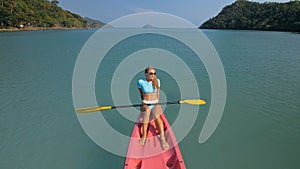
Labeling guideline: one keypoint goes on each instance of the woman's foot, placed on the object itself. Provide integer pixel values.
(142, 140)
(164, 143)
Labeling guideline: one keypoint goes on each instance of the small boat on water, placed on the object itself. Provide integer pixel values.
(151, 155)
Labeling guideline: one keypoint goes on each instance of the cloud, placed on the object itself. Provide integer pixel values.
(141, 10)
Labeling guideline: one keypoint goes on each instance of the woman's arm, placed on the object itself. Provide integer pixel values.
(158, 90)
(158, 94)
(141, 93)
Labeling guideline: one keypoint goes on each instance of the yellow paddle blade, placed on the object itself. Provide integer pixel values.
(93, 109)
(193, 102)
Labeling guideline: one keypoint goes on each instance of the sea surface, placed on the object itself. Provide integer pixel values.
(260, 127)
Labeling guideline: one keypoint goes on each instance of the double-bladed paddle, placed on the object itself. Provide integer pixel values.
(99, 108)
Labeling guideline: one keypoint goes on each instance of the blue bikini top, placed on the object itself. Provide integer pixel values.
(147, 86)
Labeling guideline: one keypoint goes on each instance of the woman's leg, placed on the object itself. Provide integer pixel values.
(146, 117)
(160, 126)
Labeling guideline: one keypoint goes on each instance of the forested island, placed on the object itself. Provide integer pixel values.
(40, 14)
(242, 14)
(246, 15)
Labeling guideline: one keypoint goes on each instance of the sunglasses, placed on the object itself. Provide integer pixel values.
(152, 73)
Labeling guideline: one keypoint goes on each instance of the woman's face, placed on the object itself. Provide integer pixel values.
(151, 74)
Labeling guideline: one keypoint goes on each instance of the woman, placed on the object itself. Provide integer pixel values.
(149, 88)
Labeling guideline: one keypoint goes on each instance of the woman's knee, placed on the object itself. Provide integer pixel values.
(157, 112)
(145, 110)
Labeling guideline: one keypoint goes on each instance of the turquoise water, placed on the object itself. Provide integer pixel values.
(260, 127)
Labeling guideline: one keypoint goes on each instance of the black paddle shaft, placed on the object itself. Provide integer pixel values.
(139, 105)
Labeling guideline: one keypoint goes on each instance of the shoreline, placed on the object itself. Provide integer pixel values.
(262, 30)
(14, 29)
(40, 28)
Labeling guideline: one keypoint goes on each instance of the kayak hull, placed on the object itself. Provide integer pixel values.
(151, 155)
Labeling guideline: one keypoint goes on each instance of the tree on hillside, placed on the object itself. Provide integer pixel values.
(12, 5)
(54, 2)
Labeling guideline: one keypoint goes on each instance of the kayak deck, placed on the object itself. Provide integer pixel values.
(151, 155)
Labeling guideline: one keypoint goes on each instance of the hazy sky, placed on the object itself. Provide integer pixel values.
(195, 11)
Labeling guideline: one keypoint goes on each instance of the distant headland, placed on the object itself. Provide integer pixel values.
(246, 15)
(16, 15)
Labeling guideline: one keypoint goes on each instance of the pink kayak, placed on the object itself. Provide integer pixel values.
(151, 155)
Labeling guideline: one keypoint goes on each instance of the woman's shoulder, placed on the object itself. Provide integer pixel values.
(141, 81)
(158, 82)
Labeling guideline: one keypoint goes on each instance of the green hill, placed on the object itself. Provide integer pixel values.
(246, 15)
(94, 23)
(37, 14)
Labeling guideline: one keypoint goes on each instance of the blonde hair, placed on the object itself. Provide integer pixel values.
(154, 81)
